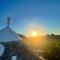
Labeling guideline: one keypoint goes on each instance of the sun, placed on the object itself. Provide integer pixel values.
(34, 34)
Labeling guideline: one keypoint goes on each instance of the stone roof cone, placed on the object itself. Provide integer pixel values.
(7, 34)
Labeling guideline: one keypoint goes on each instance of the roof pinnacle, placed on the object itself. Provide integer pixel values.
(8, 21)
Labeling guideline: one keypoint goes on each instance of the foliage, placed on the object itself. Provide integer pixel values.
(52, 49)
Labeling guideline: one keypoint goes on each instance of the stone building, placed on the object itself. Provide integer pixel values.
(13, 45)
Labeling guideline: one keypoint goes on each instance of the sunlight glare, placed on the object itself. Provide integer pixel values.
(34, 34)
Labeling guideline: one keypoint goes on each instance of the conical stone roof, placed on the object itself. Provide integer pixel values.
(7, 34)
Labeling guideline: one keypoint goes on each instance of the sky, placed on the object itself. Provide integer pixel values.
(37, 13)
